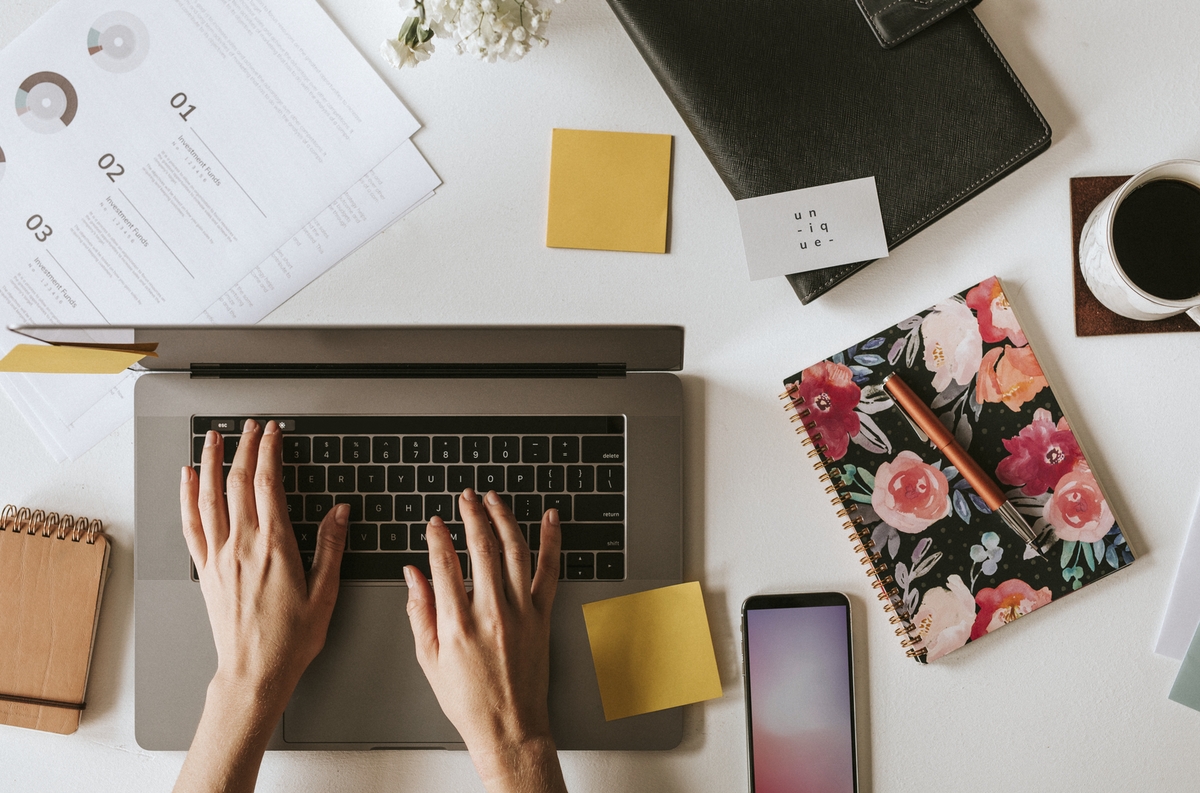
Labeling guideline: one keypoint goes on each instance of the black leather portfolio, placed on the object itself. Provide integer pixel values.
(785, 94)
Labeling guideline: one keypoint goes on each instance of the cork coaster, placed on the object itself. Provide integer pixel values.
(1091, 316)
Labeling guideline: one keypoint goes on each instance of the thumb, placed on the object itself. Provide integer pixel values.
(422, 615)
(326, 570)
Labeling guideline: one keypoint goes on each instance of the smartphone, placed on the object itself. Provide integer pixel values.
(799, 677)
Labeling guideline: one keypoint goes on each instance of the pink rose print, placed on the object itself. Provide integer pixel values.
(953, 347)
(1077, 509)
(945, 618)
(830, 396)
(996, 318)
(1040, 455)
(1000, 606)
(1012, 376)
(910, 494)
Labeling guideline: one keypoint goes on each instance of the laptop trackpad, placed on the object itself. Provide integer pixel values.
(366, 685)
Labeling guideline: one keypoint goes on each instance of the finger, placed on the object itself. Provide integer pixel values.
(515, 554)
(545, 580)
(213, 512)
(326, 572)
(189, 507)
(243, 515)
(484, 548)
(268, 486)
(448, 588)
(422, 616)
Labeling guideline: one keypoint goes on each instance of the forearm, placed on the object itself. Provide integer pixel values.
(228, 747)
(531, 767)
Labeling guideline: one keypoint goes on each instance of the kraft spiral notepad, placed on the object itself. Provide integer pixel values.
(947, 569)
(52, 573)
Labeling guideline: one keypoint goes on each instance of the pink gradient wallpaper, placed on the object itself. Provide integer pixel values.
(800, 700)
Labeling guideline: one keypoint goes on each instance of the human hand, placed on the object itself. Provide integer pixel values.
(487, 653)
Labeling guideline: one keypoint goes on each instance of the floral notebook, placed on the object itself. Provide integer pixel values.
(946, 568)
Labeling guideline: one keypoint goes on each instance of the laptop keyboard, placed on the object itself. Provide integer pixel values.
(397, 472)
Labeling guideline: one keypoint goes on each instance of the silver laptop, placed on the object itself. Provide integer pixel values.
(396, 421)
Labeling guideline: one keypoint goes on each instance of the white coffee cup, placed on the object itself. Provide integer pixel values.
(1098, 259)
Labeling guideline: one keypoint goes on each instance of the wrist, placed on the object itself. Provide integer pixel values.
(251, 703)
(525, 766)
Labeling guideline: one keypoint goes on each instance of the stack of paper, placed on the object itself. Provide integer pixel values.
(195, 162)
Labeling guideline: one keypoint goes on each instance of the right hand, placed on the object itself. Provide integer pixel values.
(487, 653)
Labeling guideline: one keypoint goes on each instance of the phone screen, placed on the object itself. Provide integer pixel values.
(800, 694)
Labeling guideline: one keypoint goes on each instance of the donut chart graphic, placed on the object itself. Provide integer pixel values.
(118, 42)
(47, 102)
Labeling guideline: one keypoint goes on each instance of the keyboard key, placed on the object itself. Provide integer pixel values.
(285, 425)
(197, 448)
(401, 478)
(490, 477)
(560, 502)
(327, 450)
(416, 450)
(581, 478)
(289, 478)
(306, 536)
(535, 449)
(610, 566)
(520, 479)
(385, 449)
(393, 537)
(409, 508)
(316, 507)
(605, 507)
(431, 478)
(604, 449)
(533, 534)
(356, 450)
(417, 539)
(371, 479)
(551, 478)
(507, 499)
(356, 506)
(378, 509)
(341, 479)
(445, 450)
(505, 449)
(610, 478)
(227, 425)
(580, 566)
(382, 566)
(527, 507)
(231, 445)
(442, 506)
(295, 507)
(475, 450)
(565, 449)
(458, 536)
(311, 479)
(297, 450)
(460, 477)
(593, 537)
(364, 536)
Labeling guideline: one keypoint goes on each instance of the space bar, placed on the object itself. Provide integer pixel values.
(381, 566)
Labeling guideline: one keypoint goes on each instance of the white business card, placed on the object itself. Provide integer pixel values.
(812, 228)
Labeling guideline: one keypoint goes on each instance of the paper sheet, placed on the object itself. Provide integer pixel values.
(609, 191)
(1183, 610)
(1186, 690)
(652, 650)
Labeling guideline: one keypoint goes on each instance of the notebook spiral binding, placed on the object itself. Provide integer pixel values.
(883, 583)
(23, 520)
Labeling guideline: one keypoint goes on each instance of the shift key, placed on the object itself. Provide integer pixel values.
(599, 506)
(593, 536)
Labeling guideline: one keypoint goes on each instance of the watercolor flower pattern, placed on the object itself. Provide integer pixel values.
(946, 617)
(1040, 455)
(1007, 602)
(831, 395)
(910, 494)
(996, 318)
(953, 346)
(1011, 376)
(1077, 509)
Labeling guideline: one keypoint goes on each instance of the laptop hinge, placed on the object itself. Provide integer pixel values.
(230, 371)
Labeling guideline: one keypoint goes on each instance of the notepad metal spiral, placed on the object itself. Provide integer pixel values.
(22, 520)
(883, 583)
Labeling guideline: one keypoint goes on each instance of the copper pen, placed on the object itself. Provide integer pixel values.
(944, 441)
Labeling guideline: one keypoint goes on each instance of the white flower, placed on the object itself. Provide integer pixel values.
(399, 54)
(487, 29)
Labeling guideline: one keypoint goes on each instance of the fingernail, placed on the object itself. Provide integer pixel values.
(492, 498)
(341, 514)
(436, 521)
(553, 517)
(469, 495)
(249, 425)
(211, 438)
(408, 577)
(271, 429)
(183, 474)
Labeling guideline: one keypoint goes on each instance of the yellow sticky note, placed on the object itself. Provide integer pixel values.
(652, 650)
(609, 190)
(50, 359)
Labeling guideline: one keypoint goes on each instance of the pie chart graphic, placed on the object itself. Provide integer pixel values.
(47, 102)
(1, 165)
(118, 42)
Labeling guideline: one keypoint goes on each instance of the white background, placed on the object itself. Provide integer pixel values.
(1072, 698)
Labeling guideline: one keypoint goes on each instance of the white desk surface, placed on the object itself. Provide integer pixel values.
(1071, 699)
